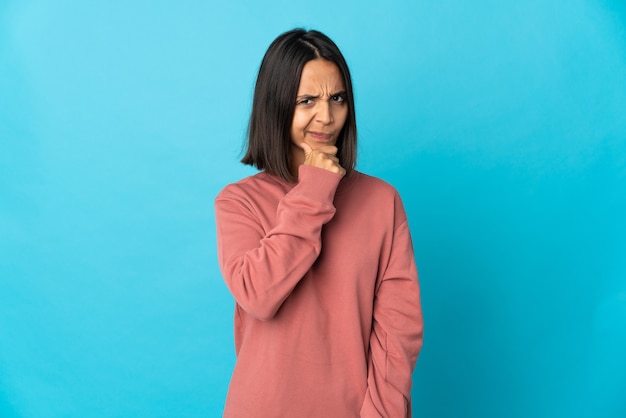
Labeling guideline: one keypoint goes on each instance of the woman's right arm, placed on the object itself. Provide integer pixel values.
(261, 269)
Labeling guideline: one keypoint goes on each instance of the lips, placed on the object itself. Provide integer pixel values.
(320, 136)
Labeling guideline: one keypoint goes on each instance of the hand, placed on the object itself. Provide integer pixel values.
(324, 157)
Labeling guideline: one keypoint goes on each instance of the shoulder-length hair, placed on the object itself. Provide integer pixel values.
(273, 105)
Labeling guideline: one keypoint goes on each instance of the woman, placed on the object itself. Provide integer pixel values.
(318, 256)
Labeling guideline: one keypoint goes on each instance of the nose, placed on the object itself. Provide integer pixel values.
(324, 112)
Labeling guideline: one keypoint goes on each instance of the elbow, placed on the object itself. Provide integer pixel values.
(259, 310)
(257, 304)
(256, 298)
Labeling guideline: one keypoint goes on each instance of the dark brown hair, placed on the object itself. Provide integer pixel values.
(269, 131)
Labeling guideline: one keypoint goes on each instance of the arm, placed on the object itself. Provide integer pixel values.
(261, 269)
(397, 331)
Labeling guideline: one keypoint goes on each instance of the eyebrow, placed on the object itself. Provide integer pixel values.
(311, 96)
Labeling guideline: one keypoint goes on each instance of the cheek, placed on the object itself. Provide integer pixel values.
(300, 121)
(296, 130)
(342, 116)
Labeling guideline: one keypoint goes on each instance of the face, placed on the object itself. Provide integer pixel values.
(321, 107)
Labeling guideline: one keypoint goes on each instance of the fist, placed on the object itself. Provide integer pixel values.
(324, 157)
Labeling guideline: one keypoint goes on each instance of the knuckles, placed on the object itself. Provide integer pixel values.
(325, 158)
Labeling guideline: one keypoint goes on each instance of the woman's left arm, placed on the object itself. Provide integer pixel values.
(397, 332)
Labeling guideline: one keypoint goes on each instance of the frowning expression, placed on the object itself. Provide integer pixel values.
(321, 108)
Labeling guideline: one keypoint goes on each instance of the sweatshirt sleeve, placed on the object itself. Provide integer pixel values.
(397, 331)
(261, 269)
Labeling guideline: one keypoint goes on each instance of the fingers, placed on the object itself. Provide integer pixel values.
(328, 149)
(323, 157)
(308, 148)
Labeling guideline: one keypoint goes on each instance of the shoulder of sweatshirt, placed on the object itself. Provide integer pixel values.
(376, 191)
(258, 183)
(373, 185)
(314, 183)
(261, 184)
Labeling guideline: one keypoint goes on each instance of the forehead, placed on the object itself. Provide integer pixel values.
(321, 74)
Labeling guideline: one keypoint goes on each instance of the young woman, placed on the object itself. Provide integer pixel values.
(317, 255)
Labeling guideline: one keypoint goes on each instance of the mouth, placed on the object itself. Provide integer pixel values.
(320, 136)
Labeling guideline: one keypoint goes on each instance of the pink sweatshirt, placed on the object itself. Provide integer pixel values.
(328, 320)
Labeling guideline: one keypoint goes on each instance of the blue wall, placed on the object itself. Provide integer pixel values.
(503, 125)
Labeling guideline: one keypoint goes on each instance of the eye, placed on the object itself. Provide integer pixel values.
(338, 98)
(305, 101)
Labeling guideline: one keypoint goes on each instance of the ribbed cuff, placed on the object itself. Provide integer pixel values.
(317, 184)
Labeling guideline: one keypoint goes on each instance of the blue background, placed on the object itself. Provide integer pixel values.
(502, 123)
